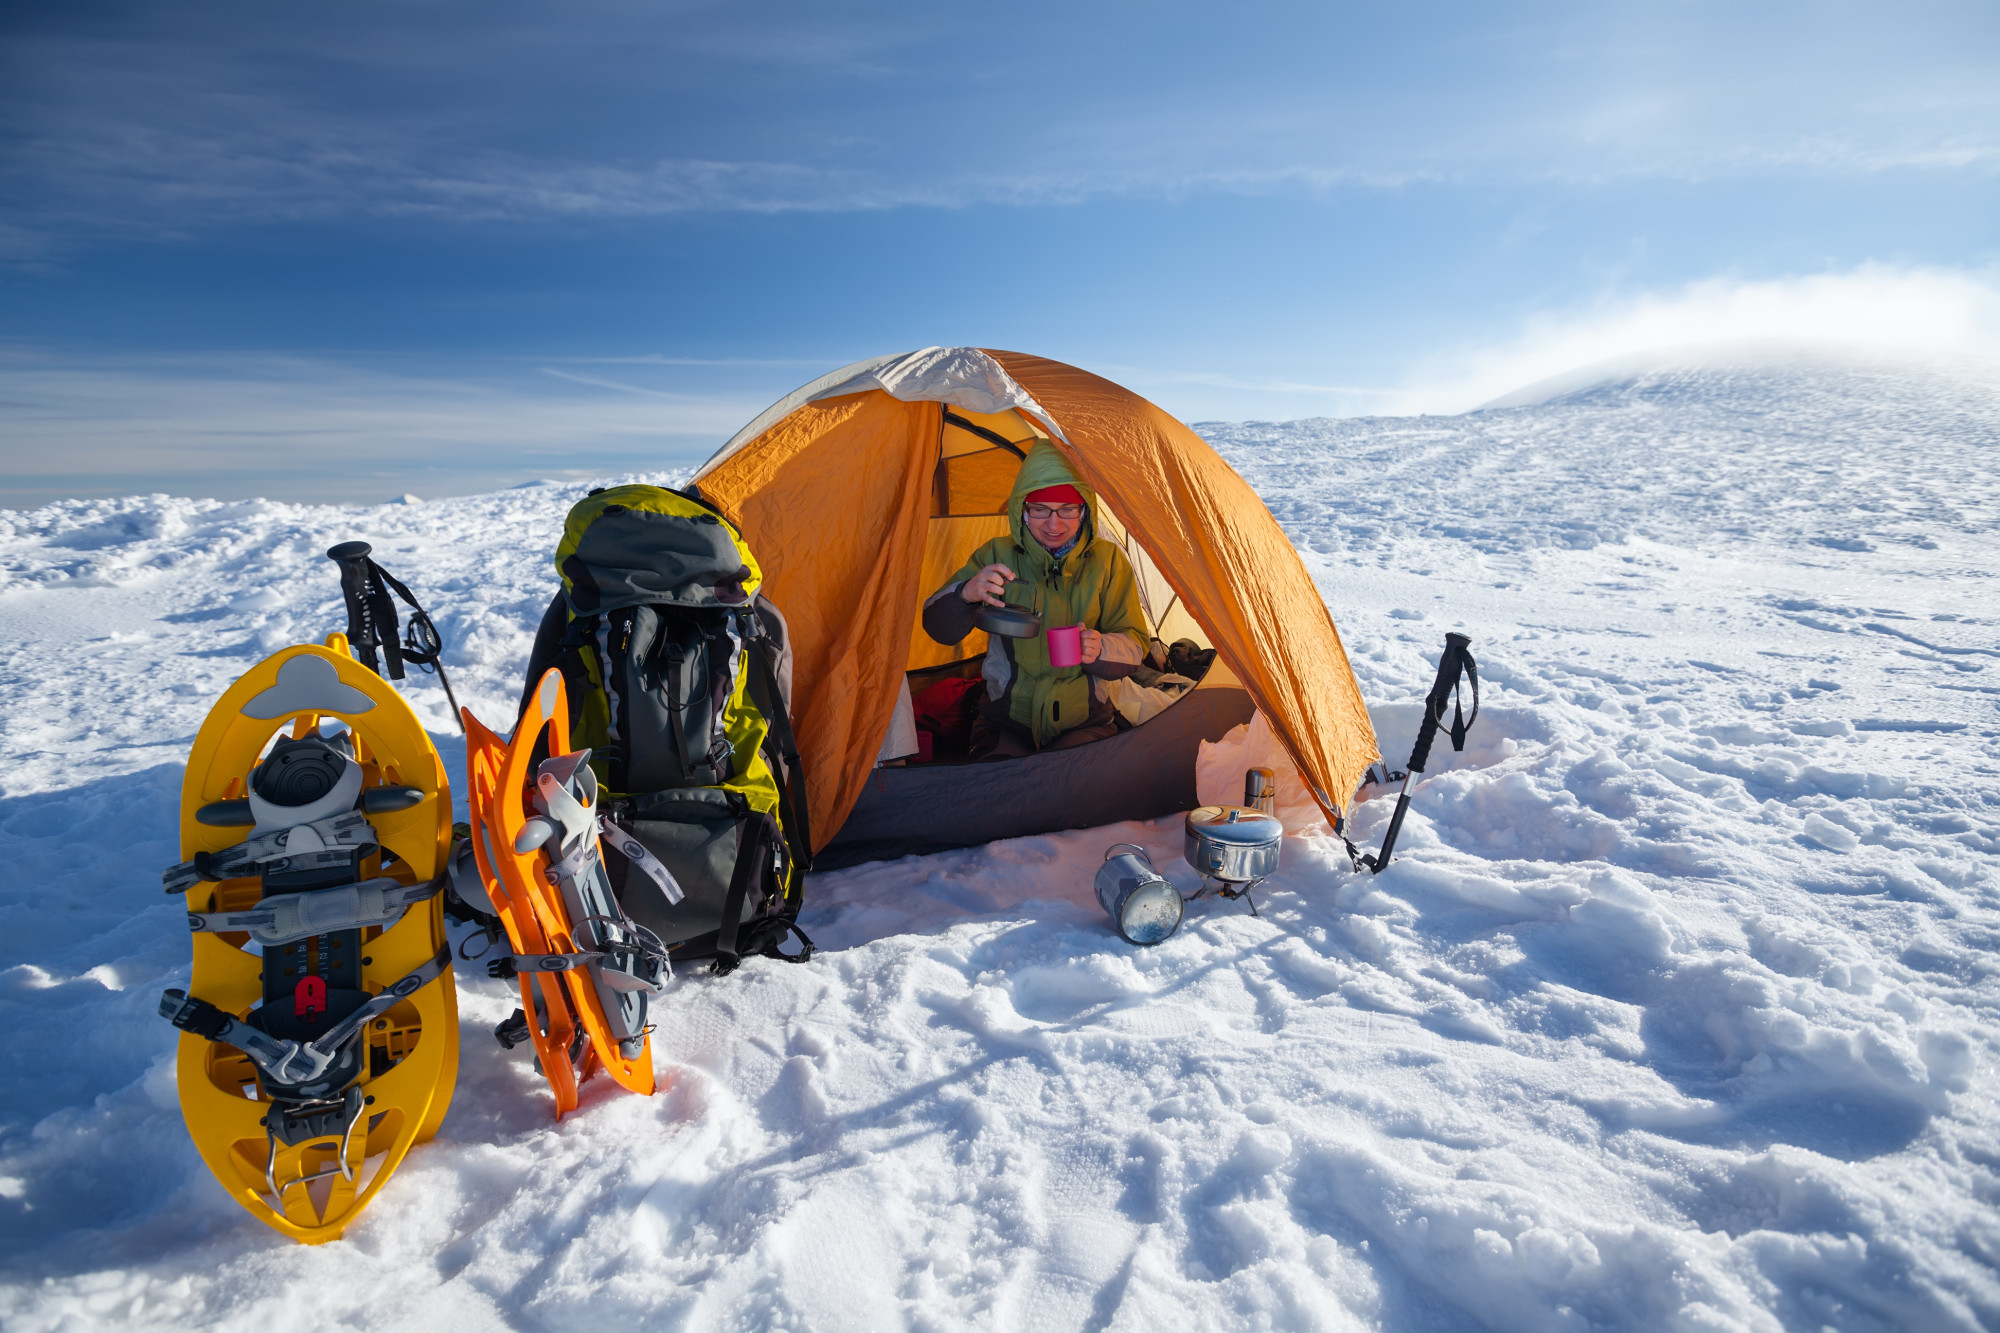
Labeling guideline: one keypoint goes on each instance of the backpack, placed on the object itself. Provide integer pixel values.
(679, 680)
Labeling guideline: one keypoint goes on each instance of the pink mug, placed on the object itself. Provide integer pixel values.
(1066, 646)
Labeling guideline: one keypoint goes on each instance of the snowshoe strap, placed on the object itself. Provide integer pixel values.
(323, 842)
(635, 851)
(512, 1030)
(294, 1062)
(626, 966)
(632, 957)
(575, 865)
(506, 969)
(289, 917)
(560, 804)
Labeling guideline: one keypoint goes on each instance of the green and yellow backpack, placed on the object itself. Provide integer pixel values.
(679, 676)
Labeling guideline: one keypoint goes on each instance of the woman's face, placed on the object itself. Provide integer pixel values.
(1052, 529)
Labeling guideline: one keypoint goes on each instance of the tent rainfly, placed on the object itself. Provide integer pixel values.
(863, 491)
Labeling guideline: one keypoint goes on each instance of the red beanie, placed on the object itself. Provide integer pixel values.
(1054, 495)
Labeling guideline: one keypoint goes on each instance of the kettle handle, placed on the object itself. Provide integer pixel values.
(1143, 856)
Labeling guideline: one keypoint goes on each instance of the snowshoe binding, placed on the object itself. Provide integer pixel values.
(320, 1029)
(587, 972)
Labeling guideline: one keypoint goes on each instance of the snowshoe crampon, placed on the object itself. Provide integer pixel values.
(320, 1030)
(587, 972)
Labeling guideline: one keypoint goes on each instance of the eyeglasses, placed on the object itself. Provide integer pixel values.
(1042, 513)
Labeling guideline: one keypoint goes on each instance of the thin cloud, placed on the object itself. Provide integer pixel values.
(651, 359)
(1946, 318)
(302, 428)
(1151, 375)
(139, 125)
(600, 383)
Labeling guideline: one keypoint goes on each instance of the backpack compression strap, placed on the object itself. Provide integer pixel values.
(791, 795)
(760, 835)
(755, 837)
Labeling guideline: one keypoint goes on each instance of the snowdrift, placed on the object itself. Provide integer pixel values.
(1677, 1009)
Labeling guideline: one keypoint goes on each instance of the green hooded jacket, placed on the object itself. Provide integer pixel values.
(1092, 585)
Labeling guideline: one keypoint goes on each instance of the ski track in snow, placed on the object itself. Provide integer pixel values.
(1677, 1011)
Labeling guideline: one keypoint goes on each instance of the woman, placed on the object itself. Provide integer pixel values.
(1072, 577)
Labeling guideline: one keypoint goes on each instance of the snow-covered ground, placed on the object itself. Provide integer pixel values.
(1679, 1008)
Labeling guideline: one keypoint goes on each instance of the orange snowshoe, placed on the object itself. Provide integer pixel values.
(587, 972)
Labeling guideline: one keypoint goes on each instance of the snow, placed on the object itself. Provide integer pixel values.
(1677, 1009)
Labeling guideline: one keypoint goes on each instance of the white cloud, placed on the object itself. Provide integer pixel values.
(315, 428)
(1875, 308)
(299, 428)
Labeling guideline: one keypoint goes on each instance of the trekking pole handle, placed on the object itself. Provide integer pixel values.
(1451, 666)
(362, 634)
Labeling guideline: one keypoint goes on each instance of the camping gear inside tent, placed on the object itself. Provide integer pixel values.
(865, 490)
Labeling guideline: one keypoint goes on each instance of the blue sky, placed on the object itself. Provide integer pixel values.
(455, 246)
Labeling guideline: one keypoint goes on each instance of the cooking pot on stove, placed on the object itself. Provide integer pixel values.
(1233, 843)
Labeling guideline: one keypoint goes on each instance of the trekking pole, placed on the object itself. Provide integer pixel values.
(1456, 663)
(372, 623)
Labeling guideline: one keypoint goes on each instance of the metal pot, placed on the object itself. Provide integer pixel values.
(1012, 622)
(1142, 904)
(1233, 843)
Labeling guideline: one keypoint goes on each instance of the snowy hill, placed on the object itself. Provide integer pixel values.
(1678, 1009)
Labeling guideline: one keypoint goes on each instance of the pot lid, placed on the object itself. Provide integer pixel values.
(1239, 825)
(1011, 622)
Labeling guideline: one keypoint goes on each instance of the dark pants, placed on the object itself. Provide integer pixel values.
(1007, 739)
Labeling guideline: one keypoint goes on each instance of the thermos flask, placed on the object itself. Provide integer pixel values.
(1260, 790)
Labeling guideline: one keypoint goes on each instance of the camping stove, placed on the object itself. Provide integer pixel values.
(1236, 846)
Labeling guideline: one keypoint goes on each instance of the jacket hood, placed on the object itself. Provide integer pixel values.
(1046, 466)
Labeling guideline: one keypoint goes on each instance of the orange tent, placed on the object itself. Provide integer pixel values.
(862, 492)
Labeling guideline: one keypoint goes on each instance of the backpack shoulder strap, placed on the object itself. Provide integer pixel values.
(548, 648)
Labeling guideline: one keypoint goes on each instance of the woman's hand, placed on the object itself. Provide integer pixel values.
(1093, 646)
(987, 584)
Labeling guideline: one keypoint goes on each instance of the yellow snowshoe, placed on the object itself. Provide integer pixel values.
(320, 1029)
